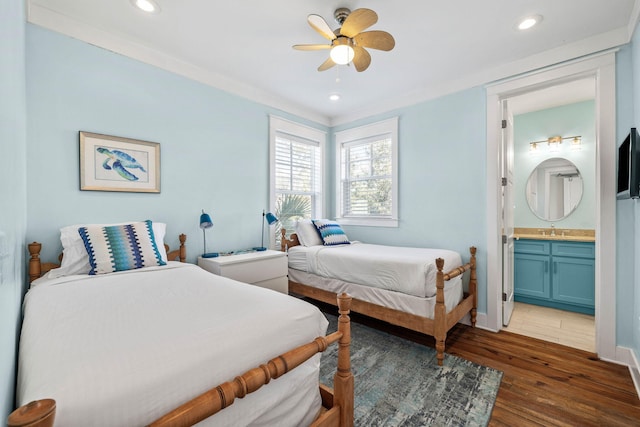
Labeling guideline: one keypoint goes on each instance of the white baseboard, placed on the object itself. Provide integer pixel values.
(634, 370)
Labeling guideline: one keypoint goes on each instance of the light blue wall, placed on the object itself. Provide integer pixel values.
(567, 120)
(214, 146)
(442, 180)
(635, 70)
(626, 235)
(12, 192)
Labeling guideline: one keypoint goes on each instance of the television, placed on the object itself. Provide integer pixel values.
(629, 167)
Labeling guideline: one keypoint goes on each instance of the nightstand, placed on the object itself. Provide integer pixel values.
(267, 269)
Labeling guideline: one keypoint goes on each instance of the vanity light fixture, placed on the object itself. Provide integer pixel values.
(576, 143)
(554, 143)
(149, 6)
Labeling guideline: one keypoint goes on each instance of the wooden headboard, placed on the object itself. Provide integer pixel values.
(37, 268)
(288, 243)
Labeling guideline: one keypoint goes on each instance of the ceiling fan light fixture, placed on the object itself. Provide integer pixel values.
(149, 6)
(342, 52)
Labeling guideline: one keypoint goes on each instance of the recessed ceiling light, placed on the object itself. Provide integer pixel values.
(334, 97)
(529, 22)
(149, 6)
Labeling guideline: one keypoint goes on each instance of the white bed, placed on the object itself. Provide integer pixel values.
(121, 335)
(169, 320)
(396, 277)
(404, 286)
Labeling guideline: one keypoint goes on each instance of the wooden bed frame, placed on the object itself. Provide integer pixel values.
(337, 403)
(436, 327)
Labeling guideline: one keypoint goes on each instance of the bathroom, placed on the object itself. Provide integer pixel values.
(555, 217)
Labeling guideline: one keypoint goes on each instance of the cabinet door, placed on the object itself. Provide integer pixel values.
(532, 275)
(574, 280)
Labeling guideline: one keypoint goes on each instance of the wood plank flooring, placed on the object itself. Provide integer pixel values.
(544, 383)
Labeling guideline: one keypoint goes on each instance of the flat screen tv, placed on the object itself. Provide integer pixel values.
(629, 167)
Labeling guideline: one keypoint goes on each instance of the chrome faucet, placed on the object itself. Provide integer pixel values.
(553, 230)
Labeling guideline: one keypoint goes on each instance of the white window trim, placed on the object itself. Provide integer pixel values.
(278, 124)
(385, 127)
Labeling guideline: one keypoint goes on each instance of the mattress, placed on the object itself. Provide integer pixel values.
(453, 293)
(411, 271)
(123, 349)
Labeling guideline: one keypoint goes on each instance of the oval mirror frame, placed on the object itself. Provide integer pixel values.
(554, 189)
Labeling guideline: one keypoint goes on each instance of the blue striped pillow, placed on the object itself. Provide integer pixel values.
(120, 247)
(331, 232)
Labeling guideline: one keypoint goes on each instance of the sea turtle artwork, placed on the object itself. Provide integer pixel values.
(120, 162)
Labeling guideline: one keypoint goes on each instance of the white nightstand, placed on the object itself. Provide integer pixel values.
(267, 269)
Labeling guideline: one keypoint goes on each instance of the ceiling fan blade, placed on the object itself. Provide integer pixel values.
(361, 59)
(311, 46)
(380, 40)
(358, 20)
(318, 23)
(326, 64)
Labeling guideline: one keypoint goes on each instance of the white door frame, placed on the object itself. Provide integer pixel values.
(602, 68)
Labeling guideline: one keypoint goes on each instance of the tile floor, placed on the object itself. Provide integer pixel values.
(563, 327)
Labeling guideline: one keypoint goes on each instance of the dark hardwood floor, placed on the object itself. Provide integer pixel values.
(544, 384)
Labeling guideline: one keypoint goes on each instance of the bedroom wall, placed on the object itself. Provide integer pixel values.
(567, 120)
(12, 192)
(627, 230)
(442, 175)
(214, 146)
(633, 90)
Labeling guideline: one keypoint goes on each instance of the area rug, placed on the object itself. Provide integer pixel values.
(399, 383)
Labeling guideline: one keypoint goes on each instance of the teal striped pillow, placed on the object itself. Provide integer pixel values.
(120, 247)
(331, 232)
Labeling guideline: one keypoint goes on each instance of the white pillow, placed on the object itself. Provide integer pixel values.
(307, 233)
(75, 259)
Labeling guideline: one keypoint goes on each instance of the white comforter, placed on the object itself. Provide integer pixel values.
(122, 349)
(408, 270)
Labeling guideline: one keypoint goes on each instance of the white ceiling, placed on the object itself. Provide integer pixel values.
(442, 46)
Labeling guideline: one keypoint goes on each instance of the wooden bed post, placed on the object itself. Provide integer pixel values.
(473, 285)
(35, 267)
(183, 248)
(343, 379)
(440, 313)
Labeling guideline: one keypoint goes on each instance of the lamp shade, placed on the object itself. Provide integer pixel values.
(271, 218)
(205, 221)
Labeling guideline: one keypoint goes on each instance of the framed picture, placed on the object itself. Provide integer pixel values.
(111, 163)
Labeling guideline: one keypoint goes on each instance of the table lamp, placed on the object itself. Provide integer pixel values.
(271, 219)
(205, 222)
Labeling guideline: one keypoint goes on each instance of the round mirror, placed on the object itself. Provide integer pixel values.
(554, 189)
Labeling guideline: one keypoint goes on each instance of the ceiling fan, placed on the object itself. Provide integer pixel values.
(348, 42)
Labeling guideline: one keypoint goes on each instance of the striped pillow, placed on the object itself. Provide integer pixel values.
(331, 232)
(120, 247)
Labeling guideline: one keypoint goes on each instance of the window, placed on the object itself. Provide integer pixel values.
(296, 173)
(367, 174)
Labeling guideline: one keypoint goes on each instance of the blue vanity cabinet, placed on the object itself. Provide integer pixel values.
(531, 269)
(574, 277)
(558, 274)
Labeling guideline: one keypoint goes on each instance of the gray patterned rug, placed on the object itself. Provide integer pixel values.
(399, 383)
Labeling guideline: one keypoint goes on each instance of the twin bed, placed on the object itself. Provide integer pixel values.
(169, 344)
(172, 345)
(403, 286)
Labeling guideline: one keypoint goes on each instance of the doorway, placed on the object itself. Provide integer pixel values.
(602, 69)
(553, 176)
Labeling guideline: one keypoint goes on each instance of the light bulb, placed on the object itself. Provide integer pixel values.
(342, 54)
